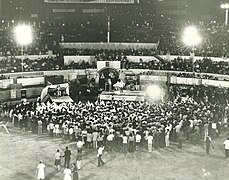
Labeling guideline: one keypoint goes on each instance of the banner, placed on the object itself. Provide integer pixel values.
(78, 59)
(136, 59)
(215, 83)
(63, 10)
(108, 64)
(91, 1)
(153, 78)
(5, 83)
(187, 81)
(109, 46)
(105, 97)
(93, 10)
(31, 81)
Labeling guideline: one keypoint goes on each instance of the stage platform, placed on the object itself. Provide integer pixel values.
(125, 95)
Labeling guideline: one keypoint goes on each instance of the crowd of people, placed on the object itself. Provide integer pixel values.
(204, 65)
(121, 125)
(191, 115)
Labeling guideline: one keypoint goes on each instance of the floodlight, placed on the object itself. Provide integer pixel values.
(224, 6)
(191, 36)
(154, 92)
(23, 34)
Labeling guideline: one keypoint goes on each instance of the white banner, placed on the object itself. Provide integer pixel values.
(105, 97)
(63, 10)
(108, 64)
(153, 78)
(5, 83)
(91, 1)
(78, 59)
(114, 46)
(31, 81)
(128, 98)
(215, 83)
(136, 59)
(187, 81)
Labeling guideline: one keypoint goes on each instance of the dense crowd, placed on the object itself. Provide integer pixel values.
(204, 65)
(121, 125)
(48, 36)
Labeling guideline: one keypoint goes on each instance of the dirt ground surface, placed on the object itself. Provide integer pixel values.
(21, 152)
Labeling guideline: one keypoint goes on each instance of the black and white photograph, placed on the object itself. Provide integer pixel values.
(114, 90)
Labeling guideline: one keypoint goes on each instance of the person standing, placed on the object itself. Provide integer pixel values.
(79, 159)
(180, 139)
(150, 142)
(58, 159)
(39, 127)
(131, 143)
(226, 147)
(67, 173)
(41, 170)
(75, 175)
(67, 155)
(95, 135)
(206, 125)
(124, 143)
(99, 155)
(138, 141)
(89, 140)
(167, 137)
(208, 144)
(110, 139)
(79, 145)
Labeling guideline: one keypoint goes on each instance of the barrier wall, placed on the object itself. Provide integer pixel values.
(14, 94)
(32, 57)
(172, 57)
(109, 46)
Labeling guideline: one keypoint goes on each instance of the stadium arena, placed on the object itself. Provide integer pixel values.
(114, 89)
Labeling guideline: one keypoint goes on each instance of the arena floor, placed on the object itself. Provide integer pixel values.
(21, 152)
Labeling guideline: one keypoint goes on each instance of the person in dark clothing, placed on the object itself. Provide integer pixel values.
(75, 175)
(67, 157)
(180, 139)
(208, 144)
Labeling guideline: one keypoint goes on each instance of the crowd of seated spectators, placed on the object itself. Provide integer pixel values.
(205, 65)
(48, 35)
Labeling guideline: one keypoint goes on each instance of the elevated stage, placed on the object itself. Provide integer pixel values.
(125, 95)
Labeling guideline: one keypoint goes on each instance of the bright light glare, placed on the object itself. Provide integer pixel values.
(23, 34)
(191, 36)
(225, 6)
(154, 92)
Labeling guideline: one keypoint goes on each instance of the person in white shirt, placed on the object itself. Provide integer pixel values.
(95, 135)
(99, 156)
(5, 127)
(226, 146)
(67, 173)
(79, 145)
(124, 142)
(167, 137)
(41, 170)
(138, 140)
(110, 138)
(150, 142)
(58, 159)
